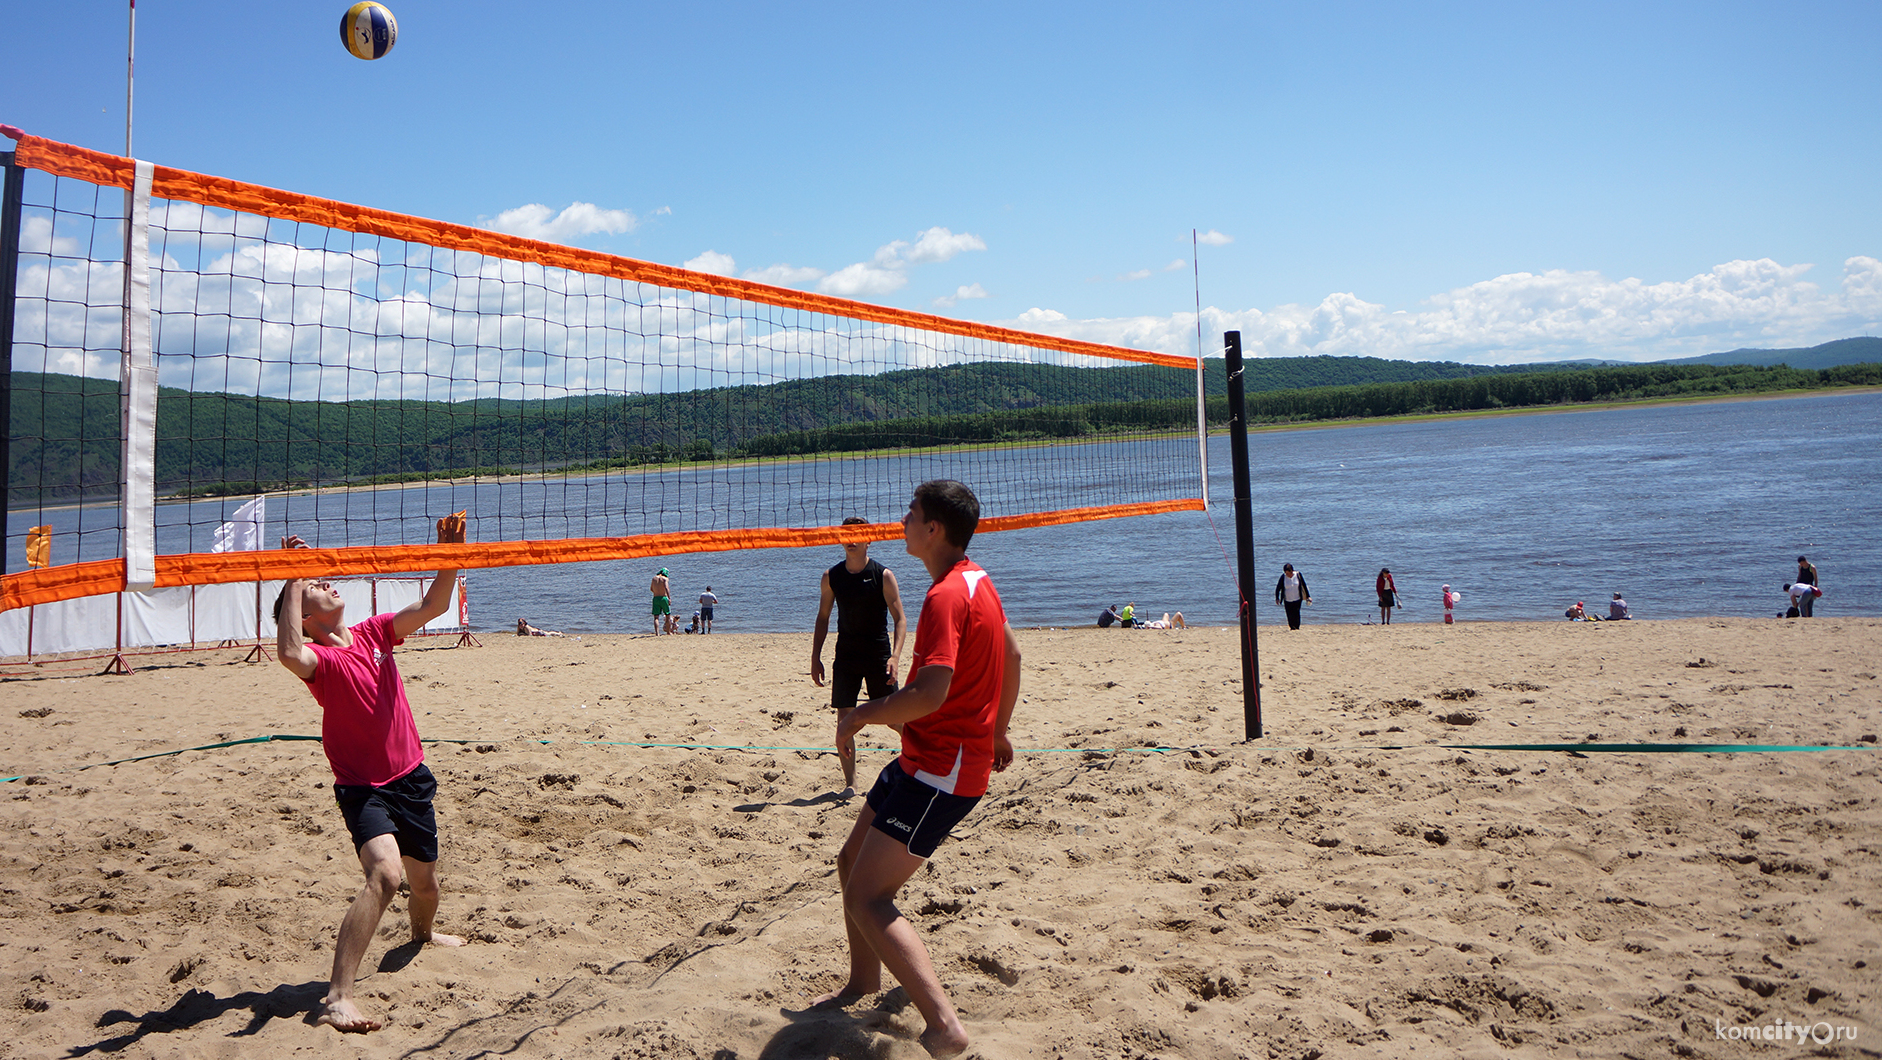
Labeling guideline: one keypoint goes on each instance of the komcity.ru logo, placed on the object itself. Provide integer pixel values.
(1819, 1033)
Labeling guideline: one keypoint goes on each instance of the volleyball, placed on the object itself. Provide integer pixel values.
(368, 30)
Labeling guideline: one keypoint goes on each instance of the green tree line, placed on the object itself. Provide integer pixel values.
(64, 438)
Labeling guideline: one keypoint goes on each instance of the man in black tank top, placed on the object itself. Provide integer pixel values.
(866, 597)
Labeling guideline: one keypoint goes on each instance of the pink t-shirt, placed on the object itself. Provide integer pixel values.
(366, 725)
(962, 626)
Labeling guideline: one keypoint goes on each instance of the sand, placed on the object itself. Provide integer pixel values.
(1141, 883)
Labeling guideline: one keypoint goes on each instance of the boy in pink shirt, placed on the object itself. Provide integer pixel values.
(379, 774)
(953, 714)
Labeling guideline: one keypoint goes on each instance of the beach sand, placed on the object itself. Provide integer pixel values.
(1140, 883)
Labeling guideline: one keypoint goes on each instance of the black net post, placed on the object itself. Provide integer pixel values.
(1244, 536)
(10, 207)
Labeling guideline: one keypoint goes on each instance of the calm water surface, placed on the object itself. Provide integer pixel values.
(1688, 510)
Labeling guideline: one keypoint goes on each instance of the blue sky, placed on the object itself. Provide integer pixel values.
(1476, 182)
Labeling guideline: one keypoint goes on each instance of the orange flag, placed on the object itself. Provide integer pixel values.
(39, 546)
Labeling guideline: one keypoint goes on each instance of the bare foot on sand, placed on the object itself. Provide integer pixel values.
(342, 1015)
(438, 938)
(944, 1041)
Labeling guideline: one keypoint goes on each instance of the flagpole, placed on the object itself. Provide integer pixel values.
(130, 71)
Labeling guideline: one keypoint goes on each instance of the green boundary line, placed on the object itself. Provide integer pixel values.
(1572, 748)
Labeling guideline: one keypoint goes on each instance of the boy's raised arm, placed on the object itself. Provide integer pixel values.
(437, 598)
(289, 643)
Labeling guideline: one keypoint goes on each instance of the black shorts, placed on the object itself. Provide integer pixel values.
(706, 613)
(914, 814)
(401, 808)
(847, 679)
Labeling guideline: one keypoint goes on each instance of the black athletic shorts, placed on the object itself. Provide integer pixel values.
(847, 679)
(913, 813)
(401, 808)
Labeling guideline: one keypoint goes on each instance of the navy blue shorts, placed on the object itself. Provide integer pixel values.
(847, 679)
(401, 808)
(913, 813)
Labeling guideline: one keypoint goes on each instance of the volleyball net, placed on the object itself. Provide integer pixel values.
(197, 367)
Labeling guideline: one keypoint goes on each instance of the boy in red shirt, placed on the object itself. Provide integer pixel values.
(379, 774)
(953, 715)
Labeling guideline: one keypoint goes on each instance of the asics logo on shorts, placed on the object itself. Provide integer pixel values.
(893, 823)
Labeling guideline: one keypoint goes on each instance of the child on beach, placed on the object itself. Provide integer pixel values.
(953, 713)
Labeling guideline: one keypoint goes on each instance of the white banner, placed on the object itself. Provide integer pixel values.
(196, 615)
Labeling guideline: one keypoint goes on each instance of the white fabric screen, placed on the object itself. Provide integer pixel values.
(202, 614)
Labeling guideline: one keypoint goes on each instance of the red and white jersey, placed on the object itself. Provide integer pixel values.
(962, 626)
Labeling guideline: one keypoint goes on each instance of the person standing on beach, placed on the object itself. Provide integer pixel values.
(867, 598)
(1807, 573)
(380, 779)
(1450, 601)
(707, 601)
(662, 601)
(962, 685)
(1290, 592)
(1388, 595)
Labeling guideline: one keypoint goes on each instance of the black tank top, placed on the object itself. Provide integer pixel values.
(862, 615)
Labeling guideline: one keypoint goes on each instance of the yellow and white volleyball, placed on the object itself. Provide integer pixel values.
(368, 30)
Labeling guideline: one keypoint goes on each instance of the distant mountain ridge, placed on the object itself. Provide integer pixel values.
(1864, 350)
(64, 429)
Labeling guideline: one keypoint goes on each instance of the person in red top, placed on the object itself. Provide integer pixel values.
(953, 714)
(379, 774)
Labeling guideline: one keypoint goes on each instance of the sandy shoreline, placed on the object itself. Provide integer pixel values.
(1344, 887)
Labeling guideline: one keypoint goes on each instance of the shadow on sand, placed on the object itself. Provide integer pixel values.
(201, 1006)
(833, 1030)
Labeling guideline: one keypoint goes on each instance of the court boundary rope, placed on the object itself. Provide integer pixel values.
(1578, 749)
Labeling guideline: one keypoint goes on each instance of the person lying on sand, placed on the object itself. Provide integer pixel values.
(524, 629)
(379, 775)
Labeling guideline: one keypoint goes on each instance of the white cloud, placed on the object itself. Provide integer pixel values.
(1179, 263)
(1213, 238)
(1039, 318)
(785, 275)
(887, 271)
(864, 278)
(972, 290)
(1524, 316)
(305, 321)
(1140, 274)
(713, 262)
(536, 221)
(939, 244)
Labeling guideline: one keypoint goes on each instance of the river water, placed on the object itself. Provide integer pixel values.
(1687, 510)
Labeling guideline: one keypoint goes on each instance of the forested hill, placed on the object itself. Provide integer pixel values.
(1865, 350)
(64, 437)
